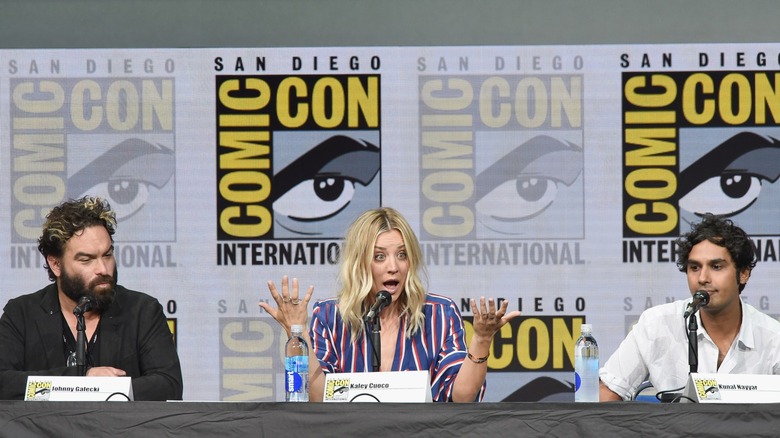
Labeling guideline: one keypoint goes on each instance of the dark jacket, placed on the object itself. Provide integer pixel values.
(134, 337)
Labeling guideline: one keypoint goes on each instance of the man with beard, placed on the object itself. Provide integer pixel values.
(126, 330)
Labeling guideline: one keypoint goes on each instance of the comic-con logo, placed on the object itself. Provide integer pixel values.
(251, 359)
(298, 156)
(38, 390)
(531, 344)
(696, 143)
(337, 389)
(106, 137)
(707, 389)
(501, 157)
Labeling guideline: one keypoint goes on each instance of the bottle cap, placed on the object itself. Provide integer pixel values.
(296, 328)
(586, 328)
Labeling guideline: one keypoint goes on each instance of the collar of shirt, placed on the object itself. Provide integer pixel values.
(744, 336)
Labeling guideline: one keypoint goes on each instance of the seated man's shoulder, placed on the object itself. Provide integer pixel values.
(664, 310)
(34, 298)
(658, 320)
(129, 296)
(759, 318)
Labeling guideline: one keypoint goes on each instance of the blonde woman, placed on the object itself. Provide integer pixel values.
(420, 330)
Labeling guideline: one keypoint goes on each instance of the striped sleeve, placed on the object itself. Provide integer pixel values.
(447, 333)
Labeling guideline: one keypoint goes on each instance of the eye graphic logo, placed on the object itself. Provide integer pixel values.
(317, 193)
(524, 184)
(108, 137)
(125, 175)
(501, 157)
(698, 142)
(135, 177)
(297, 156)
(734, 179)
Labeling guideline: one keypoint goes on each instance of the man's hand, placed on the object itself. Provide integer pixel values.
(106, 372)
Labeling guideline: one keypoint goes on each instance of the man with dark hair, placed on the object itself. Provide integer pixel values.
(127, 332)
(733, 337)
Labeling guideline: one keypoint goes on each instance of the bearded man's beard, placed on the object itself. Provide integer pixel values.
(74, 288)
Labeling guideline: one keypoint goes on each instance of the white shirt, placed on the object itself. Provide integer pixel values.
(656, 349)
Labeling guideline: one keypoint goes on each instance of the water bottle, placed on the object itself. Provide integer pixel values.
(586, 366)
(296, 367)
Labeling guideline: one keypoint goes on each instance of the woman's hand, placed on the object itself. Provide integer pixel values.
(291, 308)
(488, 320)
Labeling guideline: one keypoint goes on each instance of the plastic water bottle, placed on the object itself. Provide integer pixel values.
(586, 366)
(296, 367)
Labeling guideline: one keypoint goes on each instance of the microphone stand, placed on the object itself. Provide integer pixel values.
(376, 341)
(693, 343)
(81, 345)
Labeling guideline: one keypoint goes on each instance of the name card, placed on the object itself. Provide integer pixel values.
(385, 387)
(75, 388)
(732, 388)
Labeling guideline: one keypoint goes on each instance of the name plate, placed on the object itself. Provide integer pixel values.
(384, 387)
(75, 388)
(732, 388)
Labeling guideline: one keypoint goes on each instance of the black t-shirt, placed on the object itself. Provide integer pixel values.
(93, 346)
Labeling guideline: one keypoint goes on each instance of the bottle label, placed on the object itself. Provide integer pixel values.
(586, 379)
(293, 382)
(294, 366)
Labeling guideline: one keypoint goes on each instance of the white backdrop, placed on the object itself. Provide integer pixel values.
(550, 176)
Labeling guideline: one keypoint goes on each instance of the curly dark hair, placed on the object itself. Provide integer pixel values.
(69, 218)
(721, 232)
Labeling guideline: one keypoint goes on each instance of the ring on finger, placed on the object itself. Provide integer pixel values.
(285, 300)
(295, 301)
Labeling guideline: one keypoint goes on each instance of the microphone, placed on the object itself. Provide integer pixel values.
(383, 298)
(700, 298)
(84, 305)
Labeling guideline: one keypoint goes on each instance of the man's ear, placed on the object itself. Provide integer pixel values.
(744, 276)
(55, 263)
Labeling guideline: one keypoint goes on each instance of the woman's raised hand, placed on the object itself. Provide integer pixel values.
(291, 307)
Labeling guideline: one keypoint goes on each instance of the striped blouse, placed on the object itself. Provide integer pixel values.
(439, 346)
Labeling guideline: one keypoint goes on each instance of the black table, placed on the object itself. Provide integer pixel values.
(223, 419)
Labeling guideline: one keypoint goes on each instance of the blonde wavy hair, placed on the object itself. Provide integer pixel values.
(355, 277)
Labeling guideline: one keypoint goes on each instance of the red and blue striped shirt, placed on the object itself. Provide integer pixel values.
(438, 347)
